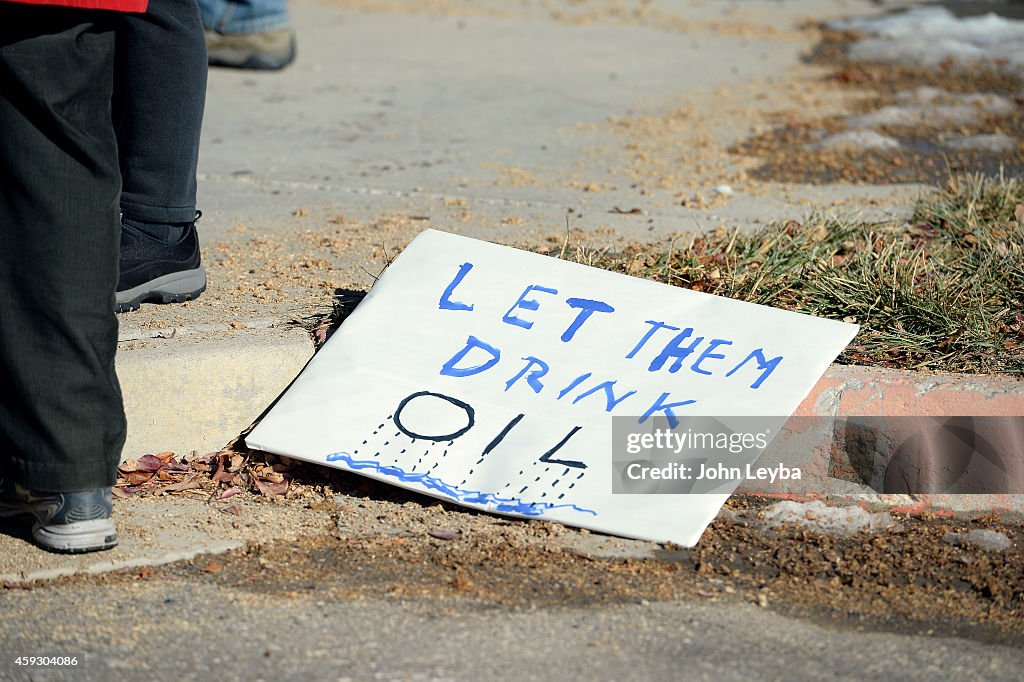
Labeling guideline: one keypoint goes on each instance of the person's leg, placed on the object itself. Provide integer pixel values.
(158, 115)
(62, 422)
(161, 93)
(244, 16)
(248, 34)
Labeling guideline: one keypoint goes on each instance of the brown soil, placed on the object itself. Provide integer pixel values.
(389, 543)
(921, 158)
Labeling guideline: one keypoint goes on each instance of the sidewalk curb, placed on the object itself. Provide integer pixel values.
(854, 390)
(198, 393)
(837, 454)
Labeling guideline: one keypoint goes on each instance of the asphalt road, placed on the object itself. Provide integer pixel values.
(182, 631)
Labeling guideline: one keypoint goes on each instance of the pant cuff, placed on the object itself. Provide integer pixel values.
(158, 214)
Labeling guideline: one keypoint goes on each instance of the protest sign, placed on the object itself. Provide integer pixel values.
(490, 377)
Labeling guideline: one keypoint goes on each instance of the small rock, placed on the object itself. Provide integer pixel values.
(725, 190)
(441, 534)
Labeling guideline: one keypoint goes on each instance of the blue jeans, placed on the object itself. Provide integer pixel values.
(244, 16)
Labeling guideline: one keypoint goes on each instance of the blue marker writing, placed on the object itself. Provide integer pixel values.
(525, 304)
(446, 302)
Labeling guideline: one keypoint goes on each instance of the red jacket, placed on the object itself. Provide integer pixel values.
(115, 5)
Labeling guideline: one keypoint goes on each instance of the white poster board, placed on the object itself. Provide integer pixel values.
(489, 376)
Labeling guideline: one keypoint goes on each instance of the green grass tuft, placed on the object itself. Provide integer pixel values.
(944, 291)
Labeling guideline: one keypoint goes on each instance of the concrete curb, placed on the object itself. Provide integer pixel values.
(859, 421)
(849, 390)
(199, 392)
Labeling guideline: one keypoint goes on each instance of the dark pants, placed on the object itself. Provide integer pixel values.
(158, 110)
(62, 423)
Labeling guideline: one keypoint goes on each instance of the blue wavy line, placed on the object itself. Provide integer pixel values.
(509, 505)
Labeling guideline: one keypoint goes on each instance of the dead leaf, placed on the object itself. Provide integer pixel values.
(149, 463)
(138, 477)
(271, 489)
(321, 334)
(222, 475)
(951, 339)
(1018, 213)
(632, 211)
(272, 477)
(636, 265)
(174, 465)
(213, 567)
(229, 493)
(189, 484)
(233, 509)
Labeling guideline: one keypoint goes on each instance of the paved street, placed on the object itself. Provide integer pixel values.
(196, 632)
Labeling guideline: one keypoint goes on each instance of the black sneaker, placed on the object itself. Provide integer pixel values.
(152, 270)
(64, 522)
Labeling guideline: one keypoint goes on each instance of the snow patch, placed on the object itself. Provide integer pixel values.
(820, 518)
(995, 142)
(985, 539)
(922, 108)
(933, 35)
(856, 139)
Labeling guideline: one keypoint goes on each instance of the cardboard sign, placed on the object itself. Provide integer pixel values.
(490, 377)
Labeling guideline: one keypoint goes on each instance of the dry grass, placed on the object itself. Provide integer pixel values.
(944, 291)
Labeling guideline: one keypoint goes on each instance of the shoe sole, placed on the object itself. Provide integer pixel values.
(76, 538)
(175, 287)
(253, 63)
(243, 58)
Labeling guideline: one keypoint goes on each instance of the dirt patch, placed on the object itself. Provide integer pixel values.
(906, 580)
